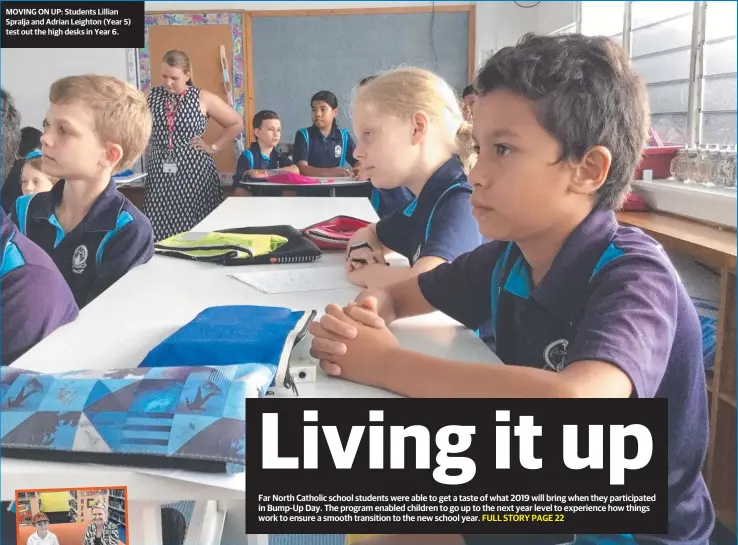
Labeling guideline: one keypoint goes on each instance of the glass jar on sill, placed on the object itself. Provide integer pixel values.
(708, 172)
(727, 170)
(678, 165)
(691, 166)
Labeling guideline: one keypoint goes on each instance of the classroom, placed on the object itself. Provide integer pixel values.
(301, 185)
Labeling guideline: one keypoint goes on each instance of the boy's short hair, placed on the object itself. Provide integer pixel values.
(120, 111)
(468, 90)
(10, 133)
(262, 116)
(30, 139)
(586, 94)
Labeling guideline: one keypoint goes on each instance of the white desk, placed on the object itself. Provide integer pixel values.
(119, 328)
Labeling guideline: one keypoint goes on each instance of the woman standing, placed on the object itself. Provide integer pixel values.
(100, 531)
(182, 186)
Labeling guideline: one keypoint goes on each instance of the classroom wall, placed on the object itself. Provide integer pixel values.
(501, 24)
(28, 73)
(554, 15)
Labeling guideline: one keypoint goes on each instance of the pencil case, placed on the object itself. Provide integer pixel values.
(248, 246)
(183, 408)
(236, 334)
(190, 418)
(335, 233)
(288, 178)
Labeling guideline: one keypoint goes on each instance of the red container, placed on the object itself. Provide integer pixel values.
(658, 160)
(635, 203)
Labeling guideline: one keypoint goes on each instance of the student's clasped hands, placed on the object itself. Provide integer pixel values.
(354, 342)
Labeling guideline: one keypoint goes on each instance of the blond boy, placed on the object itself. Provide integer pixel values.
(95, 126)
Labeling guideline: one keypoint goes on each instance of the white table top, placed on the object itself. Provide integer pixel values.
(121, 326)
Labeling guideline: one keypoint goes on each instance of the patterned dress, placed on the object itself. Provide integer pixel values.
(175, 203)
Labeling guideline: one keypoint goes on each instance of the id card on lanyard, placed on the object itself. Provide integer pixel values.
(170, 166)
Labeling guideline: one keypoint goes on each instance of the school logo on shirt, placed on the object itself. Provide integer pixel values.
(338, 151)
(79, 259)
(555, 355)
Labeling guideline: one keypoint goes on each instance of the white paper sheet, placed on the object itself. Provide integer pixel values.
(272, 280)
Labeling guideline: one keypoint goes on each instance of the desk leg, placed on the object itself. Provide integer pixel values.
(235, 529)
(145, 520)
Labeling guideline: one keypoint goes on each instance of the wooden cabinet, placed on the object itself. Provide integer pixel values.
(716, 248)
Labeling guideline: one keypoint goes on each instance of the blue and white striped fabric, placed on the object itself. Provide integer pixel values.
(708, 313)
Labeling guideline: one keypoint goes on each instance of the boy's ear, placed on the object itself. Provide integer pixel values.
(256, 132)
(113, 154)
(592, 170)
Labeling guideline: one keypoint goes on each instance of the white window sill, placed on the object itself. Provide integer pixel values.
(714, 205)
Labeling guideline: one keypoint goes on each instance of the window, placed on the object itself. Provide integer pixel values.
(719, 92)
(603, 19)
(568, 29)
(661, 49)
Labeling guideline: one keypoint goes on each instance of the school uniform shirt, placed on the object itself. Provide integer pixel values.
(253, 159)
(334, 150)
(113, 238)
(387, 201)
(12, 188)
(35, 298)
(438, 222)
(610, 295)
(50, 539)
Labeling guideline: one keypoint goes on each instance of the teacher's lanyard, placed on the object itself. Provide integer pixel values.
(171, 114)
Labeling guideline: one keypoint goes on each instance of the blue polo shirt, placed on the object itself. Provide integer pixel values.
(113, 238)
(253, 159)
(611, 295)
(34, 296)
(438, 222)
(386, 201)
(334, 150)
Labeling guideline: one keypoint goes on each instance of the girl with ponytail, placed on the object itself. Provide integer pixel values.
(410, 132)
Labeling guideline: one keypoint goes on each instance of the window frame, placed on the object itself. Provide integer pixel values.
(705, 203)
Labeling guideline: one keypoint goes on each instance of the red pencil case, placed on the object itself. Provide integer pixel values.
(291, 178)
(334, 234)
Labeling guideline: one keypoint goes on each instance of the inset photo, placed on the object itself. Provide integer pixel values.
(76, 516)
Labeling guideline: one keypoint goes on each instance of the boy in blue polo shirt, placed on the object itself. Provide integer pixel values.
(324, 150)
(580, 306)
(34, 296)
(264, 154)
(95, 125)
